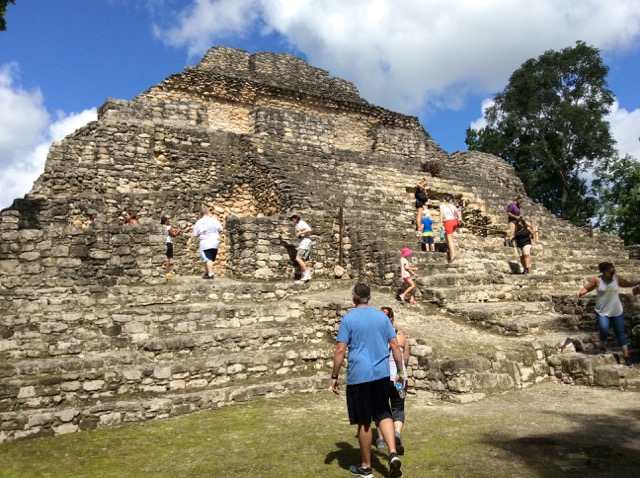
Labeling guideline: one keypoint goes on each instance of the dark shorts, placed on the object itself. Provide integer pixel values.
(397, 403)
(208, 255)
(428, 240)
(169, 250)
(368, 401)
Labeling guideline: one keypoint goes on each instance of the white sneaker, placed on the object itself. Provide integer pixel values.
(306, 277)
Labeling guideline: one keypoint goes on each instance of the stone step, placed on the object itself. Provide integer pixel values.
(608, 371)
(118, 410)
(72, 333)
(178, 290)
(152, 372)
(484, 311)
(527, 324)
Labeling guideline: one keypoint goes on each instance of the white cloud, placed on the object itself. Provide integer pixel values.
(482, 122)
(26, 133)
(205, 20)
(22, 116)
(625, 127)
(416, 53)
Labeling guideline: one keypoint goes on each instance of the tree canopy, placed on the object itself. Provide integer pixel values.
(619, 189)
(549, 122)
(3, 12)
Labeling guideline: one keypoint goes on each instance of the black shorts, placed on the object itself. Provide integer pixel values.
(169, 250)
(368, 401)
(208, 255)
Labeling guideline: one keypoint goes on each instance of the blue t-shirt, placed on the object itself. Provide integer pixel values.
(427, 226)
(366, 331)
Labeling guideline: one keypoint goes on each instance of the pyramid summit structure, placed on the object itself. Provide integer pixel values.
(92, 333)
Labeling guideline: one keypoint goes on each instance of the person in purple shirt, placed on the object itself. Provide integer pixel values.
(513, 215)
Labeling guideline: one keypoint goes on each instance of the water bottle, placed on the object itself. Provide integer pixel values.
(441, 234)
(400, 390)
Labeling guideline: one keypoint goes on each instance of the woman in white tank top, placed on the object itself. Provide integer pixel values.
(609, 309)
(397, 402)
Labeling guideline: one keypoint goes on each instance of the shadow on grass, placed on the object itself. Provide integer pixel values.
(346, 455)
(604, 445)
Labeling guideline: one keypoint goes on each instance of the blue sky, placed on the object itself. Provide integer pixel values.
(440, 60)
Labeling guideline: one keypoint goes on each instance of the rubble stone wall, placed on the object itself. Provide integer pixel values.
(65, 255)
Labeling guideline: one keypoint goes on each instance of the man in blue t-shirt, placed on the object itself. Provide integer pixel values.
(367, 333)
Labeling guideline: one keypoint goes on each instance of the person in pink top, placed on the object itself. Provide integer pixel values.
(406, 271)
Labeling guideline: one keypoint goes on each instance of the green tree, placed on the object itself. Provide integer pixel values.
(3, 12)
(549, 122)
(619, 189)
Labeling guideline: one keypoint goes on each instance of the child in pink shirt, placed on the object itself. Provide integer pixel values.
(406, 270)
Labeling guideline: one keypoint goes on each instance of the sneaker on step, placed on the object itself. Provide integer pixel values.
(306, 277)
(170, 275)
(207, 277)
(359, 470)
(399, 445)
(380, 444)
(628, 362)
(394, 466)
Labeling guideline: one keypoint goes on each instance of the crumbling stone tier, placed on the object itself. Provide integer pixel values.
(92, 334)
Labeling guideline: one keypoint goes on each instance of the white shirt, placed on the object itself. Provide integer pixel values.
(305, 240)
(207, 229)
(447, 212)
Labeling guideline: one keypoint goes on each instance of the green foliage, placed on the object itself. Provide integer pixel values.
(619, 189)
(433, 168)
(3, 12)
(549, 122)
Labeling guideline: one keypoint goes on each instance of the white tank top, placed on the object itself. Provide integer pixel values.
(393, 370)
(608, 300)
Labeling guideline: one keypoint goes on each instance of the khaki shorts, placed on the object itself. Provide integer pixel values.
(525, 251)
(511, 229)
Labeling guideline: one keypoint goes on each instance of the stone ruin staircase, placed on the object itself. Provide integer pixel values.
(86, 356)
(536, 315)
(97, 358)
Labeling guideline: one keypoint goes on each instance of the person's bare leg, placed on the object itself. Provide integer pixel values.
(209, 267)
(408, 290)
(386, 428)
(365, 437)
(303, 266)
(452, 249)
(397, 426)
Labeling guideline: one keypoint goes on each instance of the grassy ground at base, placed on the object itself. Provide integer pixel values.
(552, 431)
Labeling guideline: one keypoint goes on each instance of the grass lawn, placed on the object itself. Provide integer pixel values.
(306, 436)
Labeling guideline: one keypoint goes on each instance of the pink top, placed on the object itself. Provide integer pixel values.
(404, 263)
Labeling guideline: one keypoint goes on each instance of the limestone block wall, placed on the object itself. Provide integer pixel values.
(265, 248)
(278, 69)
(63, 256)
(170, 110)
(490, 168)
(282, 125)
